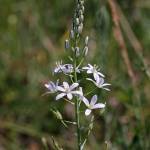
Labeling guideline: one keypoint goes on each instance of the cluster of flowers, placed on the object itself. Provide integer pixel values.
(74, 92)
(69, 91)
(65, 90)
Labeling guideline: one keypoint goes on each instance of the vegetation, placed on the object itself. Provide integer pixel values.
(32, 35)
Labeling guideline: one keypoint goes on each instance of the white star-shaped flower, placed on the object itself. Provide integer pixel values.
(65, 68)
(100, 83)
(93, 70)
(51, 86)
(92, 105)
(67, 90)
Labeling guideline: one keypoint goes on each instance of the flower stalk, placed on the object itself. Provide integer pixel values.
(74, 92)
(77, 110)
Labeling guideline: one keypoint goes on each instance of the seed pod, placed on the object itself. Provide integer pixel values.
(67, 44)
(85, 51)
(80, 28)
(86, 40)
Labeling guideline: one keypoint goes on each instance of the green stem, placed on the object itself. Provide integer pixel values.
(77, 110)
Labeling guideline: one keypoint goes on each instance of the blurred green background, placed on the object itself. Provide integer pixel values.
(32, 34)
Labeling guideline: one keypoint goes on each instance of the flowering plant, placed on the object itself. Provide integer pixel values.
(72, 90)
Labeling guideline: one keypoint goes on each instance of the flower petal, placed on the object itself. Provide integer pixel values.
(85, 68)
(100, 81)
(89, 71)
(69, 95)
(86, 102)
(101, 74)
(106, 89)
(57, 82)
(56, 70)
(91, 80)
(47, 86)
(77, 93)
(59, 88)
(93, 100)
(96, 76)
(74, 85)
(87, 112)
(90, 66)
(99, 105)
(59, 96)
(81, 91)
(66, 85)
(77, 70)
(105, 84)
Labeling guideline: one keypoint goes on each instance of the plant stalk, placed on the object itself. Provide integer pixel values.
(77, 115)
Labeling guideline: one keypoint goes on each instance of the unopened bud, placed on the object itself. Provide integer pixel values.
(44, 141)
(77, 51)
(82, 2)
(71, 34)
(86, 40)
(72, 48)
(57, 114)
(80, 12)
(85, 51)
(77, 21)
(80, 28)
(82, 8)
(67, 45)
(78, 6)
(81, 18)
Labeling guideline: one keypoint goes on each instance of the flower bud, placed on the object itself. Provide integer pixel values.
(80, 28)
(78, 7)
(86, 40)
(72, 48)
(82, 8)
(85, 51)
(80, 12)
(57, 114)
(81, 18)
(77, 51)
(71, 34)
(82, 2)
(67, 45)
(77, 21)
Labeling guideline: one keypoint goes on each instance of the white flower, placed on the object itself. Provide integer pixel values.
(92, 105)
(65, 68)
(67, 90)
(93, 70)
(51, 86)
(100, 83)
(81, 91)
